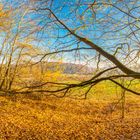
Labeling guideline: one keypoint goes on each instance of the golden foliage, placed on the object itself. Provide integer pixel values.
(4, 18)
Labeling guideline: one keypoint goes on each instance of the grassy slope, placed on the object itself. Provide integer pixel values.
(42, 118)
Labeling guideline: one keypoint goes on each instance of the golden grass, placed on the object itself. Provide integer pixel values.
(36, 117)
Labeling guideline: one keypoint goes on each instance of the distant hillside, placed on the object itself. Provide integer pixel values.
(66, 68)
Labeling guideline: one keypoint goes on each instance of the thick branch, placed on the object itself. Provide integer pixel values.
(110, 57)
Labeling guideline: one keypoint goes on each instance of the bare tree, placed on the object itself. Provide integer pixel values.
(109, 28)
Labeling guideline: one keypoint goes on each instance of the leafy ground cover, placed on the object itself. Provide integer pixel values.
(38, 117)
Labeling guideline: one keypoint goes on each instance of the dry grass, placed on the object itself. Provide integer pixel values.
(47, 118)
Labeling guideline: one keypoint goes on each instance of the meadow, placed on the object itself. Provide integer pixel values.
(39, 117)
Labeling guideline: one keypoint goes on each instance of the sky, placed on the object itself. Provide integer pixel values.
(100, 28)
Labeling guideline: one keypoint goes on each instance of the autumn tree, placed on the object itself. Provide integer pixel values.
(15, 48)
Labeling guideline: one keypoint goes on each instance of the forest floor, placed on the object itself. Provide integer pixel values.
(37, 117)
